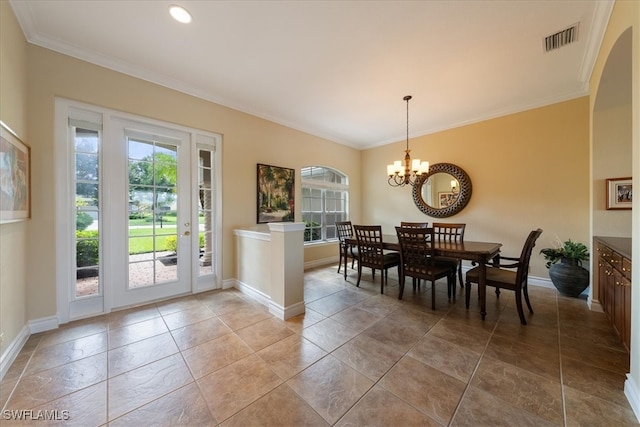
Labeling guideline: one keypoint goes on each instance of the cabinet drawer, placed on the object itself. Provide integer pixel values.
(604, 250)
(616, 260)
(626, 268)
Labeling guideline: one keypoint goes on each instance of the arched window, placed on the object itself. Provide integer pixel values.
(325, 200)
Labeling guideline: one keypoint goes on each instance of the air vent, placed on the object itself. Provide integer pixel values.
(561, 38)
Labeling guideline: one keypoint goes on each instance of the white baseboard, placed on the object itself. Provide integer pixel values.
(632, 392)
(229, 283)
(43, 324)
(321, 262)
(284, 313)
(14, 348)
(12, 351)
(253, 293)
(595, 305)
(541, 282)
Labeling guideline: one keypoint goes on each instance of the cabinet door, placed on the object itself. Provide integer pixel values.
(610, 286)
(626, 295)
(626, 268)
(618, 305)
(602, 279)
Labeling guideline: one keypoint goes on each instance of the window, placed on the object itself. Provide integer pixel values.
(86, 205)
(325, 198)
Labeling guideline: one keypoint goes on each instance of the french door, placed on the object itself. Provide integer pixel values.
(152, 256)
(144, 198)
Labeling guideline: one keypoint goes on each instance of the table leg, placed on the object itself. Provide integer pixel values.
(482, 289)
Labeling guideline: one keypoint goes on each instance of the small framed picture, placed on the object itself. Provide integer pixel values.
(446, 199)
(619, 193)
(15, 170)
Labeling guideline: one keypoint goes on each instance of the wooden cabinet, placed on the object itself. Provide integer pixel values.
(614, 283)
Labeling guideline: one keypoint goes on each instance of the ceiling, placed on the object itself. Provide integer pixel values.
(338, 69)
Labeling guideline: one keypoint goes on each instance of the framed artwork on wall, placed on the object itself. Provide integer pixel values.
(15, 177)
(619, 193)
(276, 194)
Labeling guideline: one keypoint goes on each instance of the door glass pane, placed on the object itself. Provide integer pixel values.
(153, 256)
(205, 211)
(87, 211)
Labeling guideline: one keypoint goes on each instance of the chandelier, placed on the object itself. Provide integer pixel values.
(408, 173)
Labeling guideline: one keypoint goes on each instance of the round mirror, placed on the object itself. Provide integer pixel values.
(444, 191)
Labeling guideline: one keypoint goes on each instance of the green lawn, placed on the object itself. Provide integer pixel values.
(166, 219)
(143, 241)
(148, 220)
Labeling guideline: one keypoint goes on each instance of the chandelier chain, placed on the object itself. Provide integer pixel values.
(407, 98)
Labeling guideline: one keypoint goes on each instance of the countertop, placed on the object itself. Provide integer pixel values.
(622, 245)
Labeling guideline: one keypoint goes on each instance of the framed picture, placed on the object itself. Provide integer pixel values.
(619, 193)
(15, 178)
(276, 194)
(446, 199)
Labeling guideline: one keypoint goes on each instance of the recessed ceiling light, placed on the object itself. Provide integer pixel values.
(180, 14)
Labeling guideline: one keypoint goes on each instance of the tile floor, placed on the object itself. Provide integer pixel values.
(355, 358)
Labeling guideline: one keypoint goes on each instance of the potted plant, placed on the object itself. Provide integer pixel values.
(565, 267)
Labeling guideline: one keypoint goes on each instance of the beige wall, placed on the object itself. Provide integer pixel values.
(13, 236)
(625, 15)
(528, 170)
(247, 140)
(611, 159)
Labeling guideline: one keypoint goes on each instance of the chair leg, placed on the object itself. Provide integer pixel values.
(383, 274)
(433, 295)
(401, 284)
(525, 290)
(340, 262)
(519, 307)
(452, 286)
(460, 274)
(359, 275)
(467, 293)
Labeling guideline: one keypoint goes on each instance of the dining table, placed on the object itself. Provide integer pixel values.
(481, 253)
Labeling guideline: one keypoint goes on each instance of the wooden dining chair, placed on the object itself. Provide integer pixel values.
(451, 232)
(345, 231)
(417, 260)
(405, 224)
(503, 276)
(371, 253)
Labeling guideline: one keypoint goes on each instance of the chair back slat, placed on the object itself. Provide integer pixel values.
(405, 224)
(345, 230)
(449, 232)
(416, 249)
(369, 238)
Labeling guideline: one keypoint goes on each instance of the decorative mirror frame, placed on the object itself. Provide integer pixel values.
(463, 196)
